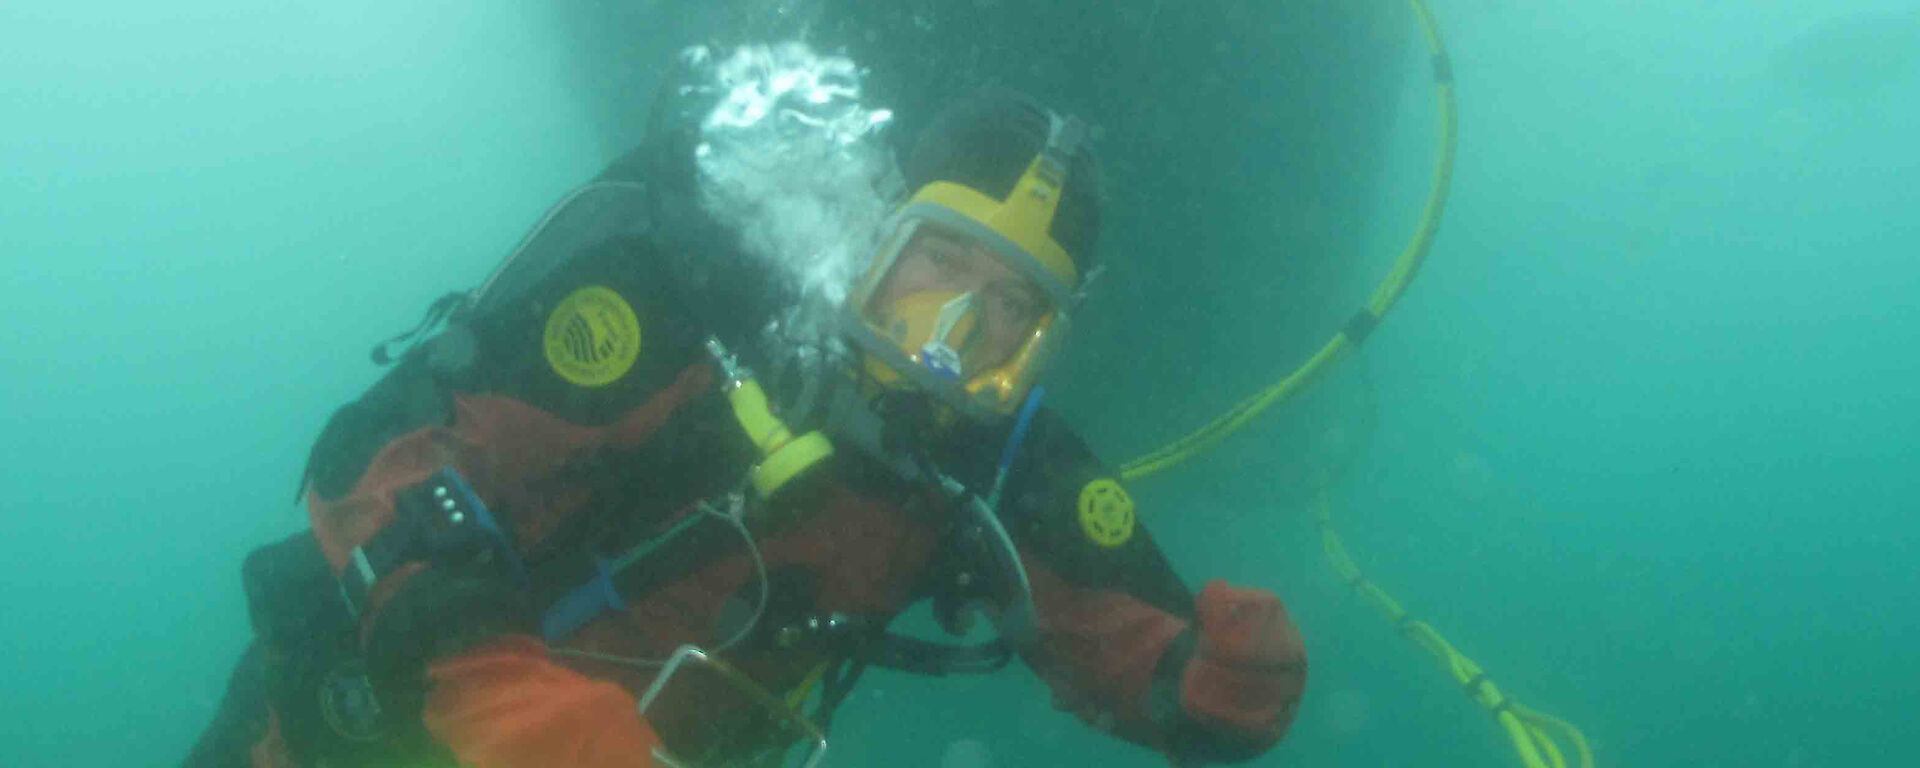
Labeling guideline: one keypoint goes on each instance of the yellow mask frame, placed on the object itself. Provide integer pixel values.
(1016, 230)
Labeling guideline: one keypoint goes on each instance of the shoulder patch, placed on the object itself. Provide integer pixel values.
(1106, 512)
(592, 337)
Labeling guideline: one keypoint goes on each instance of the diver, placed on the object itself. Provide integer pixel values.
(604, 517)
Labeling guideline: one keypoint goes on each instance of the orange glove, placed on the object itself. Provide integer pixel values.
(1249, 665)
(508, 705)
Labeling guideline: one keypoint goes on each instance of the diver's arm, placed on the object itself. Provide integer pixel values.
(450, 640)
(457, 644)
(1125, 645)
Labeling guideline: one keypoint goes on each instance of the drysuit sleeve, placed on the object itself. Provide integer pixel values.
(454, 637)
(456, 641)
(576, 353)
(1122, 642)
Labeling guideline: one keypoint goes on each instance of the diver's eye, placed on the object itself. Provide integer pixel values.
(1012, 304)
(945, 260)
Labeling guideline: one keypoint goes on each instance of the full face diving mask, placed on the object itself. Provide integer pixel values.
(969, 296)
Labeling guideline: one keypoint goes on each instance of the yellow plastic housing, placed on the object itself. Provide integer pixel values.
(782, 457)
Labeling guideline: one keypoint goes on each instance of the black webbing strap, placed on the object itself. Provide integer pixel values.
(439, 310)
(936, 659)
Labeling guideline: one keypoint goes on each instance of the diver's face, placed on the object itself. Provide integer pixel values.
(1007, 302)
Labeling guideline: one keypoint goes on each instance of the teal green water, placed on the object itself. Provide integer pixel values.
(1640, 439)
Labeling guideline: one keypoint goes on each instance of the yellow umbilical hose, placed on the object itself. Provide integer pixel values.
(1384, 296)
(1532, 732)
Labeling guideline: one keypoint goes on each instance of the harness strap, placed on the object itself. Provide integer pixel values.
(888, 650)
(441, 309)
(936, 659)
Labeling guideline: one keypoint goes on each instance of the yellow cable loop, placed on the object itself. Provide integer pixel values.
(1384, 296)
(1532, 732)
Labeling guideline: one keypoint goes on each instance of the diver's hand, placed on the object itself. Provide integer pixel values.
(1249, 666)
(508, 705)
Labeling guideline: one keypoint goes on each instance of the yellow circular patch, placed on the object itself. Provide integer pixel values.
(1106, 512)
(593, 337)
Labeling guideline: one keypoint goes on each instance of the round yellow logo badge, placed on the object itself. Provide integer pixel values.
(593, 337)
(1106, 512)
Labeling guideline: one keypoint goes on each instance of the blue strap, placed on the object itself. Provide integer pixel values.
(1012, 450)
(585, 603)
(1020, 424)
